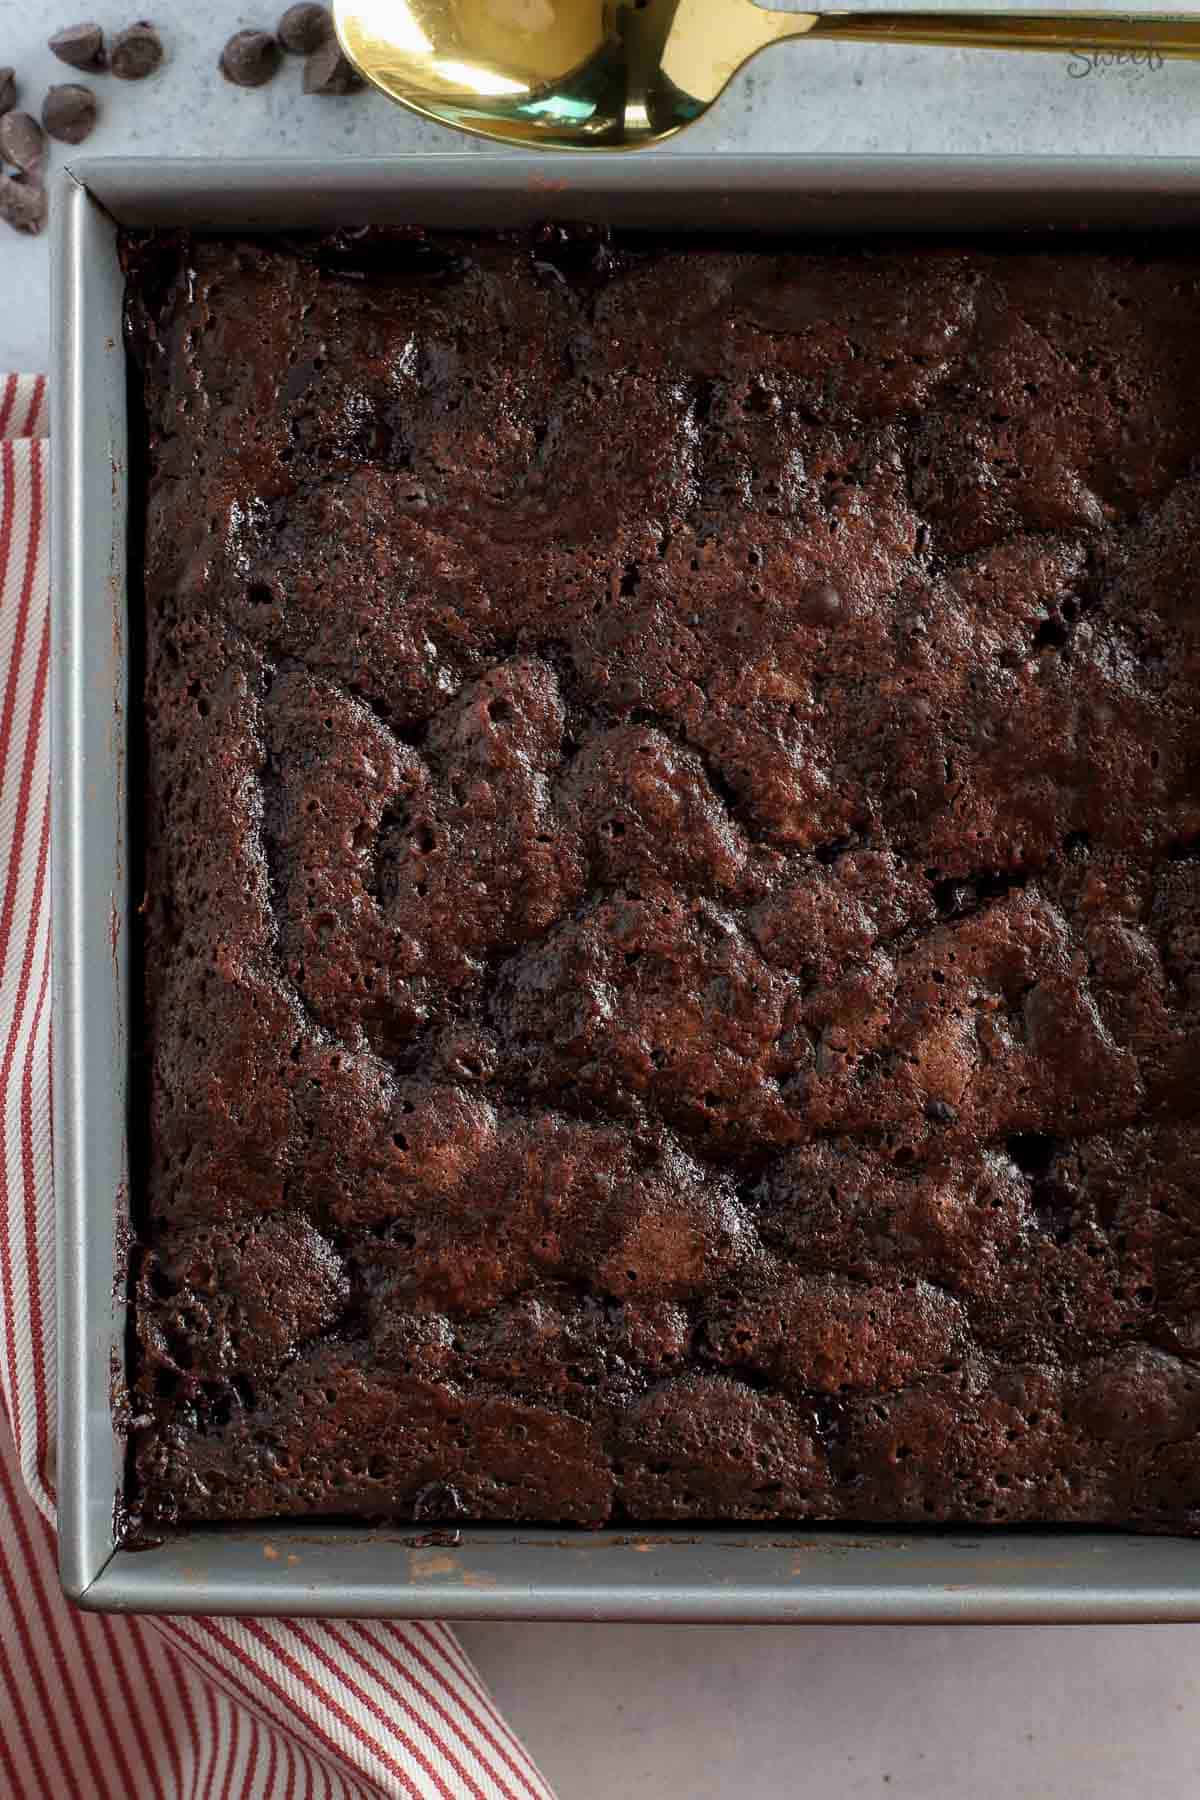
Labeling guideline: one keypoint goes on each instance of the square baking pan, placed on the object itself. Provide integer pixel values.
(770, 1574)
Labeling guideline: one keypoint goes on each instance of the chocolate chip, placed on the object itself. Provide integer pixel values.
(69, 113)
(328, 72)
(820, 603)
(22, 204)
(304, 28)
(136, 52)
(250, 59)
(438, 1501)
(8, 90)
(22, 141)
(81, 46)
(940, 1112)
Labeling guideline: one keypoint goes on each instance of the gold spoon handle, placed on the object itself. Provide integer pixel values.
(1169, 34)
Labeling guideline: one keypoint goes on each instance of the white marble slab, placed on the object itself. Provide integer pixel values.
(889, 1713)
(687, 1714)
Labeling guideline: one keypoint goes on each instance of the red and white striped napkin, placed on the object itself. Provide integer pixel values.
(181, 1708)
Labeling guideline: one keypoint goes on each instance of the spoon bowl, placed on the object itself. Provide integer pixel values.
(623, 74)
(559, 73)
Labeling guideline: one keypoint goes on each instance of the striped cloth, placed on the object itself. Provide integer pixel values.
(187, 1709)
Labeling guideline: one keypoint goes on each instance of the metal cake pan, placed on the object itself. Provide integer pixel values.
(833, 1574)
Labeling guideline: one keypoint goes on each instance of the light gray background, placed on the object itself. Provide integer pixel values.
(677, 1712)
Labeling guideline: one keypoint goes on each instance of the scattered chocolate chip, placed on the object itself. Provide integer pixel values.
(69, 113)
(22, 204)
(304, 28)
(940, 1112)
(8, 90)
(328, 72)
(81, 46)
(136, 52)
(250, 59)
(22, 141)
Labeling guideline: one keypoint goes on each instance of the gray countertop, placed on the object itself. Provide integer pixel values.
(705, 1713)
(695, 1712)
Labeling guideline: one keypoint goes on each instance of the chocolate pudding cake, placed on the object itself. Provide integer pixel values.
(670, 797)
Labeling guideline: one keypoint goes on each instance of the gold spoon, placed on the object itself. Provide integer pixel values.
(622, 74)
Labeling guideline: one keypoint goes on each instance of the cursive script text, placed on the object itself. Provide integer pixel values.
(1095, 62)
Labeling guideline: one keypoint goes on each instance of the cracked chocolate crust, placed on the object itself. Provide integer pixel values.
(672, 862)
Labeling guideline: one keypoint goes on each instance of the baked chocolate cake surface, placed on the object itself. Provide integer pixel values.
(672, 865)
